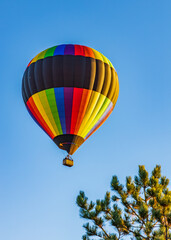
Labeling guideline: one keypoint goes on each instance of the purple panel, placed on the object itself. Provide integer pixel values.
(69, 50)
(68, 98)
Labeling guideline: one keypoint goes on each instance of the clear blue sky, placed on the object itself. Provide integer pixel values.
(37, 193)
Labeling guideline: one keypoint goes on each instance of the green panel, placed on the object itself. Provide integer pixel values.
(104, 107)
(50, 52)
(52, 103)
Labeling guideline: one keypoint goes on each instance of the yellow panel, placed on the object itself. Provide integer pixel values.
(101, 57)
(94, 113)
(91, 105)
(97, 117)
(97, 55)
(99, 123)
(39, 56)
(116, 95)
(42, 54)
(45, 104)
(40, 108)
(35, 58)
(105, 60)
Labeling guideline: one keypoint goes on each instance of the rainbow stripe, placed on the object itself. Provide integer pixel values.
(70, 90)
(57, 110)
(70, 49)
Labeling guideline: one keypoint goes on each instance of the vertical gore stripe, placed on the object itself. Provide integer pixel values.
(68, 96)
(95, 112)
(47, 110)
(77, 95)
(83, 106)
(90, 108)
(52, 103)
(59, 95)
(42, 111)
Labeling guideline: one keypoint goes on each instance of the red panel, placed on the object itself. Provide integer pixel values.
(31, 105)
(79, 50)
(77, 95)
(29, 63)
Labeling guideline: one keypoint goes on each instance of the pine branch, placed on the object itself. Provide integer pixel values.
(146, 213)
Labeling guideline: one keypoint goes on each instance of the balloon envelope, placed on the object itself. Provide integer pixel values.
(70, 90)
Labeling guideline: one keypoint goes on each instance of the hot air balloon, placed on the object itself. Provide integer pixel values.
(70, 90)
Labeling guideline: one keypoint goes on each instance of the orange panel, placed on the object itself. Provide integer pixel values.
(88, 52)
(83, 106)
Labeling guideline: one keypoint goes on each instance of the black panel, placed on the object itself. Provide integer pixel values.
(79, 71)
(26, 86)
(69, 142)
(68, 71)
(107, 80)
(31, 80)
(100, 73)
(38, 75)
(47, 72)
(57, 71)
(23, 91)
(90, 73)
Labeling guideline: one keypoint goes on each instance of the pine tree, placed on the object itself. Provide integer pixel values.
(140, 210)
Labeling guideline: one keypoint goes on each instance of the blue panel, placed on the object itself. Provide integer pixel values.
(59, 50)
(59, 95)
